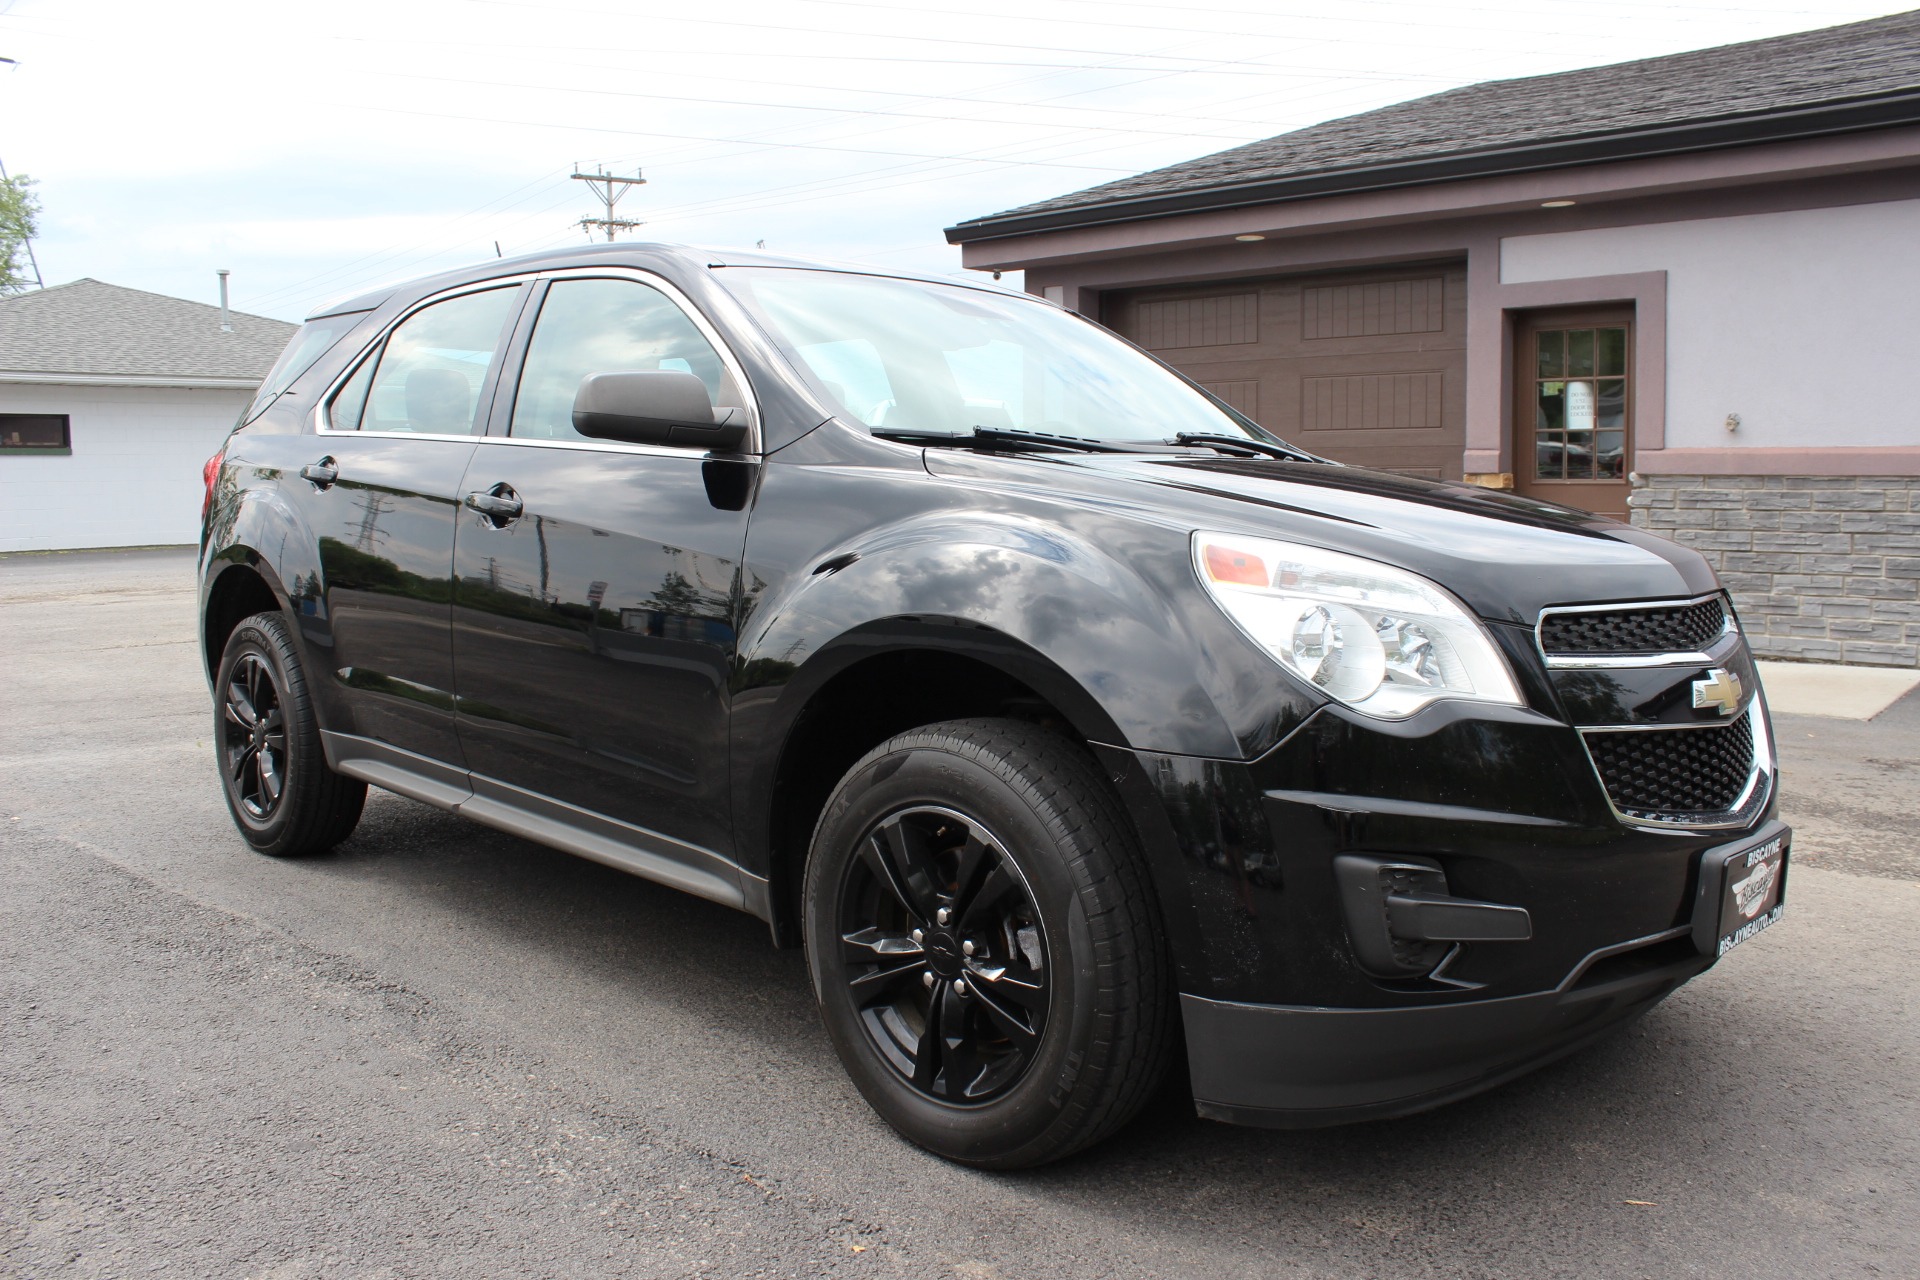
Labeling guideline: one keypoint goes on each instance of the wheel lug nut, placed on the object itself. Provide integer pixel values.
(918, 936)
(966, 948)
(926, 979)
(960, 988)
(942, 916)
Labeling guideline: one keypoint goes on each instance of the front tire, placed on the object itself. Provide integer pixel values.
(984, 945)
(283, 797)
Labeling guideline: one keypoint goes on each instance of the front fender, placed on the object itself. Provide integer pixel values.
(1043, 605)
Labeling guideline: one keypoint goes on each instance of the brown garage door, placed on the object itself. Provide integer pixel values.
(1366, 367)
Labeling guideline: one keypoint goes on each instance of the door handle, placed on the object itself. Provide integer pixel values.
(321, 474)
(500, 505)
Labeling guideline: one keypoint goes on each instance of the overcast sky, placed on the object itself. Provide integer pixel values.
(320, 149)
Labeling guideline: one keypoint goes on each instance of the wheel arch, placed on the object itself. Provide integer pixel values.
(239, 584)
(876, 681)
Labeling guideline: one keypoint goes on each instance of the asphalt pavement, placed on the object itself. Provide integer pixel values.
(442, 1051)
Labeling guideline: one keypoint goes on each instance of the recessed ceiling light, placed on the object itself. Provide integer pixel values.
(1250, 237)
(1557, 204)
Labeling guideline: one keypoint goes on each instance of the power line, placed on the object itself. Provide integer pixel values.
(792, 106)
(694, 137)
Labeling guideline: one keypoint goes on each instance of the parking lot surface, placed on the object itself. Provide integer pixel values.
(442, 1051)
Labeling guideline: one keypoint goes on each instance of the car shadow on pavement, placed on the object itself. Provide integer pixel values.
(1635, 1117)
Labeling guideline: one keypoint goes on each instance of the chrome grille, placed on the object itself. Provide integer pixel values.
(1683, 628)
(1675, 774)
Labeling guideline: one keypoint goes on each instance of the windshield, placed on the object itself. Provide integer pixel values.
(904, 355)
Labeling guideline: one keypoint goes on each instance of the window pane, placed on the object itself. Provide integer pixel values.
(606, 326)
(1612, 357)
(1611, 453)
(1552, 412)
(1613, 405)
(304, 349)
(851, 372)
(435, 363)
(1579, 457)
(33, 430)
(344, 413)
(1552, 357)
(1579, 353)
(1549, 451)
(1580, 406)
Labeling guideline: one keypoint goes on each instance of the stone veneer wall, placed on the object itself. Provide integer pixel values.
(1821, 568)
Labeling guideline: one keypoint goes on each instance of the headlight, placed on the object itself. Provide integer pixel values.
(1380, 639)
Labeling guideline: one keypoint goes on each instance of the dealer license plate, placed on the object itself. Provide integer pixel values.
(1742, 891)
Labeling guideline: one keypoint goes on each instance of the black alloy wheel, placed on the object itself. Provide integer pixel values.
(945, 954)
(283, 797)
(985, 944)
(254, 745)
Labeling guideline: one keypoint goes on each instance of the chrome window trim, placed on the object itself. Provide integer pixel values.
(598, 446)
(638, 275)
(1601, 661)
(1747, 806)
(319, 411)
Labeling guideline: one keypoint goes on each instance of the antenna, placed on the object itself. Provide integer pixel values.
(609, 189)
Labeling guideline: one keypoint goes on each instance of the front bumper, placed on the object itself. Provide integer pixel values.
(1291, 1067)
(1285, 1027)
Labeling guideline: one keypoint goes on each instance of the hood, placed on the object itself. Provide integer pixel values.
(1505, 556)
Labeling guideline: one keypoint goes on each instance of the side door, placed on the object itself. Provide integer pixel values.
(1573, 407)
(379, 494)
(596, 591)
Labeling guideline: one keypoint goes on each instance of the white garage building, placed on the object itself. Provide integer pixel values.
(111, 399)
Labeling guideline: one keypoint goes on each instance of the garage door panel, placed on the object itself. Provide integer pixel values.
(1373, 308)
(1366, 367)
(1243, 395)
(1216, 320)
(1372, 401)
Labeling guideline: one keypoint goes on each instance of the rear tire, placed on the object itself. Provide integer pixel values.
(283, 797)
(984, 944)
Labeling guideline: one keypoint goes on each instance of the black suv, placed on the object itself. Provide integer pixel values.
(1067, 717)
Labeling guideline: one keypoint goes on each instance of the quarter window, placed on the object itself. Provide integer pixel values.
(315, 339)
(606, 326)
(429, 376)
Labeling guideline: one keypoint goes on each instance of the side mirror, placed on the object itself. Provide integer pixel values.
(657, 406)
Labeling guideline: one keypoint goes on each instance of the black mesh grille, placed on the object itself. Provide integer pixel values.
(1667, 772)
(1679, 629)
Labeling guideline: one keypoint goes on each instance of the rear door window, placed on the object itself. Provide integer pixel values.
(428, 377)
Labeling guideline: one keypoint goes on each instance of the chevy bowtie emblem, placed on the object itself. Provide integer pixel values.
(1720, 690)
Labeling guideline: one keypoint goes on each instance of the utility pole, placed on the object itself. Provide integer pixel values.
(609, 189)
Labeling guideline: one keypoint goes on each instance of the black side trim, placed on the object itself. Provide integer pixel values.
(636, 850)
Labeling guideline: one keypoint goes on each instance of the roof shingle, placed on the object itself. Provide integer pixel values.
(1858, 60)
(91, 328)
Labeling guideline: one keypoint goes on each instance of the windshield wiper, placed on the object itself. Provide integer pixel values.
(1244, 445)
(1001, 435)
